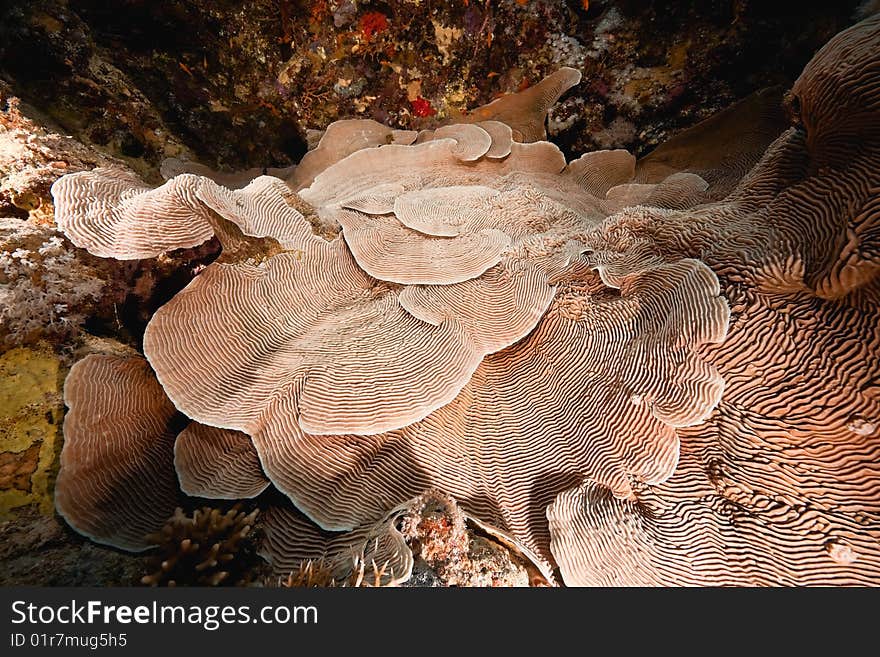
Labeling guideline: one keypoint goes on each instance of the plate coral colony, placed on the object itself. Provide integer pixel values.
(662, 371)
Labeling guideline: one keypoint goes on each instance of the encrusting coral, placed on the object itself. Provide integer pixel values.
(541, 340)
(30, 428)
(436, 530)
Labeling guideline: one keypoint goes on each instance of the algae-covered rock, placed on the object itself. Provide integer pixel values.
(31, 409)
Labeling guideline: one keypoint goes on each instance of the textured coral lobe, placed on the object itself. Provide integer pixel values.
(359, 353)
(112, 214)
(117, 482)
(217, 463)
(525, 112)
(806, 217)
(290, 327)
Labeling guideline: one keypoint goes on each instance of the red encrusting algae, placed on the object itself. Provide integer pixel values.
(422, 107)
(372, 23)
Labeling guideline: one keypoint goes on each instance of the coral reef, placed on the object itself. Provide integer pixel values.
(606, 369)
(779, 486)
(482, 280)
(435, 316)
(49, 292)
(239, 87)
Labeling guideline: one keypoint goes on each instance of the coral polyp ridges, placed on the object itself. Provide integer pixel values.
(565, 348)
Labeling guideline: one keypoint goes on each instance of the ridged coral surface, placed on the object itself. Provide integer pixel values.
(634, 376)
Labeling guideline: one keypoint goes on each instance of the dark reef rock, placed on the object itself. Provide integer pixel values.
(238, 85)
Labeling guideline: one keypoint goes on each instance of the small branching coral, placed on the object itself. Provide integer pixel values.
(208, 548)
(320, 574)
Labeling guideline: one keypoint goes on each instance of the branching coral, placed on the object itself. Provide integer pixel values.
(458, 310)
(207, 548)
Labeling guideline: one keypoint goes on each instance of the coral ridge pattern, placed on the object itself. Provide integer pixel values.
(653, 372)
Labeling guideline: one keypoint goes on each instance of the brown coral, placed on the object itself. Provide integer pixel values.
(117, 482)
(779, 487)
(207, 548)
(484, 310)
